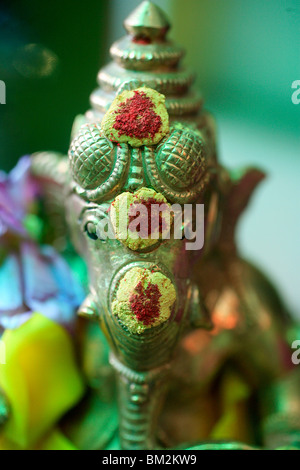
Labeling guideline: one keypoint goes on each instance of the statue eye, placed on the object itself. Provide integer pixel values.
(95, 223)
(91, 230)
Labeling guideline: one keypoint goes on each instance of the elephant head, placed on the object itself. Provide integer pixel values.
(140, 288)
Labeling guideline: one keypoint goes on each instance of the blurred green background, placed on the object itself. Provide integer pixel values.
(50, 53)
(246, 54)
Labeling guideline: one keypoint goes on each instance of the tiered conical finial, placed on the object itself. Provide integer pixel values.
(145, 57)
(148, 21)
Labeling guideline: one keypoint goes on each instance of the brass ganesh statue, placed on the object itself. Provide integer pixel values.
(198, 337)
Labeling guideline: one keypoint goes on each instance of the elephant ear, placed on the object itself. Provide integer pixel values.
(242, 186)
(50, 168)
(50, 171)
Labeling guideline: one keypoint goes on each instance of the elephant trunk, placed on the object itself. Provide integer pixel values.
(140, 399)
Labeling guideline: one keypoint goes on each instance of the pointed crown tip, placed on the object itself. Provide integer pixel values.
(147, 20)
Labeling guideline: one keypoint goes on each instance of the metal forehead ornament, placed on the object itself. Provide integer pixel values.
(147, 141)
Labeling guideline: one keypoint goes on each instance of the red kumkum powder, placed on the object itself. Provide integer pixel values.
(154, 223)
(143, 40)
(145, 303)
(136, 118)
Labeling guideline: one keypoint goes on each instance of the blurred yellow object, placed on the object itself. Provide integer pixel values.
(55, 440)
(41, 382)
(233, 423)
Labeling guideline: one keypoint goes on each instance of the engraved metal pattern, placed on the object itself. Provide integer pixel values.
(159, 181)
(167, 83)
(154, 345)
(177, 167)
(189, 104)
(181, 159)
(97, 175)
(139, 395)
(132, 85)
(140, 378)
(136, 176)
(134, 56)
(92, 157)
